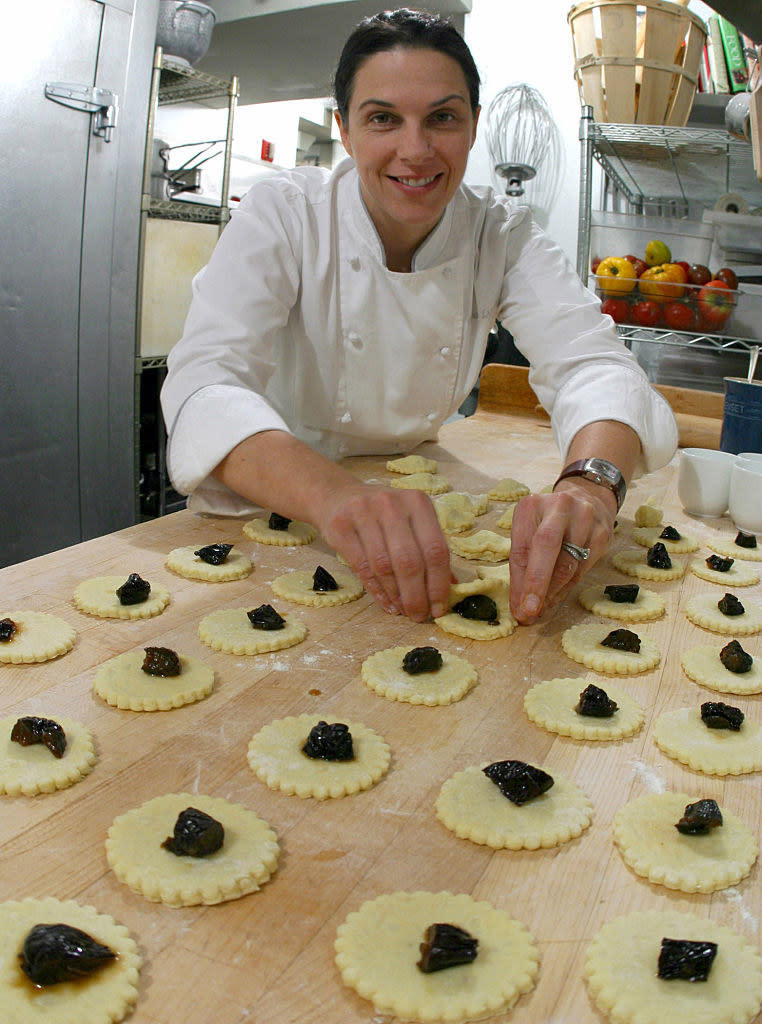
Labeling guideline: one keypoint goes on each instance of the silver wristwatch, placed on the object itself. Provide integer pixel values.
(600, 472)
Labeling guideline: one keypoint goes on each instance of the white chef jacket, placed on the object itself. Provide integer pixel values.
(296, 324)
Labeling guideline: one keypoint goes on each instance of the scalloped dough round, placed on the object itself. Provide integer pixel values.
(508, 489)
(38, 637)
(702, 611)
(430, 483)
(296, 586)
(295, 534)
(627, 949)
(230, 631)
(122, 683)
(645, 833)
(275, 756)
(646, 606)
(682, 735)
(484, 546)
(109, 995)
(27, 771)
(632, 562)
(185, 562)
(727, 547)
(736, 576)
(502, 571)
(473, 807)
(244, 862)
(647, 536)
(97, 596)
(702, 664)
(473, 629)
(583, 644)
(383, 673)
(377, 949)
(551, 705)
(412, 464)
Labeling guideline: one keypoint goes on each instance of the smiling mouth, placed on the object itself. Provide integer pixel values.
(415, 182)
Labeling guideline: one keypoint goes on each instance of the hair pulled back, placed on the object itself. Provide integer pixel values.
(407, 29)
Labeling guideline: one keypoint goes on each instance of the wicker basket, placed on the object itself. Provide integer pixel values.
(637, 61)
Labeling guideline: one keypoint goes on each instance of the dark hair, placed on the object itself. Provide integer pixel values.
(409, 30)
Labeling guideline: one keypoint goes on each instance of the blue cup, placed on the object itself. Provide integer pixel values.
(742, 416)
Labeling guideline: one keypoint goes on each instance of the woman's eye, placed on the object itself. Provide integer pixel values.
(443, 116)
(381, 118)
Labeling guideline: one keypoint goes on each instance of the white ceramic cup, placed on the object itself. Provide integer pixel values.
(745, 497)
(703, 481)
(754, 458)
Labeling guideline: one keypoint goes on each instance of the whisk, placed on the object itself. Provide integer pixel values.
(521, 135)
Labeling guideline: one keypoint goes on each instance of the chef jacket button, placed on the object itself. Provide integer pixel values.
(447, 273)
(355, 263)
(431, 417)
(354, 340)
(445, 351)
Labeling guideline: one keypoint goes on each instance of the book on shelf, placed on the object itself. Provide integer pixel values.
(705, 83)
(717, 64)
(735, 61)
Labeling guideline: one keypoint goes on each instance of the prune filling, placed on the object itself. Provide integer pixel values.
(622, 593)
(30, 730)
(669, 533)
(480, 607)
(718, 563)
(134, 590)
(265, 617)
(214, 554)
(322, 580)
(730, 605)
(596, 703)
(59, 952)
(329, 742)
(446, 945)
(658, 557)
(716, 715)
(746, 540)
(686, 960)
(517, 780)
(735, 658)
(700, 818)
(7, 630)
(161, 661)
(196, 834)
(622, 640)
(276, 522)
(422, 659)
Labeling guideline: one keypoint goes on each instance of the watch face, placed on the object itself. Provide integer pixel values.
(605, 470)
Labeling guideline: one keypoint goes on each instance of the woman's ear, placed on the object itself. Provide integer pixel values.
(476, 124)
(342, 132)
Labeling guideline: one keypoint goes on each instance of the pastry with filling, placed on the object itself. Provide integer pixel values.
(378, 949)
(298, 587)
(703, 610)
(455, 512)
(98, 596)
(466, 618)
(30, 637)
(294, 534)
(483, 546)
(508, 489)
(123, 683)
(409, 464)
(230, 630)
(683, 735)
(136, 853)
(647, 536)
(429, 483)
(634, 562)
(585, 645)
(605, 599)
(384, 673)
(552, 705)
(704, 665)
(29, 770)
(730, 548)
(735, 575)
(187, 562)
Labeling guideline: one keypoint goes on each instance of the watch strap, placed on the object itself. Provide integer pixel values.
(598, 471)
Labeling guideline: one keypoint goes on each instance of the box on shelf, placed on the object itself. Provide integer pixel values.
(739, 235)
(619, 234)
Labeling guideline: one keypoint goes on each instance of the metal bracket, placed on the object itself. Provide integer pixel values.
(102, 103)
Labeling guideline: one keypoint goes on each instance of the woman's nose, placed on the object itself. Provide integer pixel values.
(414, 143)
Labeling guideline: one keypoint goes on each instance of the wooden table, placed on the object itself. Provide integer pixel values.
(268, 957)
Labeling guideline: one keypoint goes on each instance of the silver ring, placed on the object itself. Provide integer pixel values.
(578, 554)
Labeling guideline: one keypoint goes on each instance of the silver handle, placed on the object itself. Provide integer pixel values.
(199, 8)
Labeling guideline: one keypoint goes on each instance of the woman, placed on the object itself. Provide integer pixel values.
(347, 313)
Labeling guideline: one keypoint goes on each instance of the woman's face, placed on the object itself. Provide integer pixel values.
(409, 129)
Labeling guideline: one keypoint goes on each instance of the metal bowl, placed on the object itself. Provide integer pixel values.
(184, 29)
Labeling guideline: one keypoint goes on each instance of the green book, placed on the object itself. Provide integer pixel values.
(738, 73)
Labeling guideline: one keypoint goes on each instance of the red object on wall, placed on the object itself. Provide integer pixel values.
(268, 150)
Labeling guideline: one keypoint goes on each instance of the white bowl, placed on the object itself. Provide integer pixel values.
(703, 481)
(745, 497)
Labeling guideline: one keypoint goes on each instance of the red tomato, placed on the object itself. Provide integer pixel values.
(640, 265)
(715, 303)
(617, 309)
(679, 316)
(646, 313)
(686, 267)
(699, 274)
(728, 276)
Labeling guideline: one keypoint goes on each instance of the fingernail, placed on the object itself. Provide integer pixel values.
(437, 611)
(531, 605)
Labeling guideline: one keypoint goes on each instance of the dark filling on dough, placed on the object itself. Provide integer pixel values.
(329, 742)
(134, 590)
(669, 533)
(700, 818)
(30, 730)
(59, 952)
(422, 659)
(265, 617)
(446, 945)
(276, 522)
(214, 554)
(196, 834)
(7, 630)
(517, 780)
(622, 593)
(735, 658)
(718, 563)
(322, 580)
(622, 640)
(658, 557)
(161, 661)
(686, 960)
(730, 605)
(595, 703)
(716, 715)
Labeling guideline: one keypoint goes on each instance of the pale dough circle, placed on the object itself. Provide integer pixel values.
(728, 547)
(383, 673)
(245, 861)
(646, 606)
(377, 949)
(632, 562)
(185, 563)
(27, 771)
(455, 512)
(736, 576)
(294, 535)
(472, 629)
(702, 610)
(229, 630)
(647, 536)
(583, 644)
(106, 998)
(508, 490)
(645, 833)
(551, 705)
(38, 637)
(431, 483)
(495, 572)
(505, 522)
(703, 666)
(412, 464)
(122, 683)
(471, 805)
(296, 586)
(682, 734)
(484, 546)
(275, 756)
(621, 972)
(97, 596)
(648, 515)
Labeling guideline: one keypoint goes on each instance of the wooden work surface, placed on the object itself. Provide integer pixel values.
(268, 957)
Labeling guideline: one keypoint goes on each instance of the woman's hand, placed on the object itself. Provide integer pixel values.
(578, 512)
